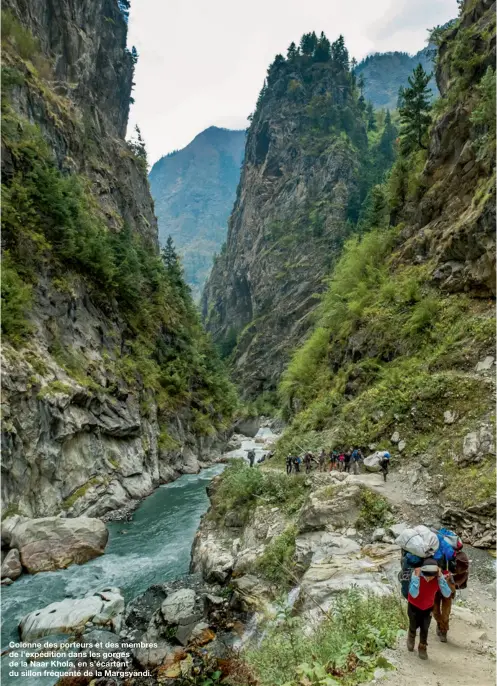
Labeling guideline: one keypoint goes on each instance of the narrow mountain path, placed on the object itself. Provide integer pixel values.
(468, 658)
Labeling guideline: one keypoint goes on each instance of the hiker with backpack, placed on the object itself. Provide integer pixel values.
(347, 458)
(455, 566)
(421, 600)
(322, 460)
(341, 462)
(296, 464)
(289, 463)
(308, 457)
(333, 459)
(355, 458)
(251, 457)
(384, 464)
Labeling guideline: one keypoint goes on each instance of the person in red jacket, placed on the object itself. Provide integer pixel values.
(425, 582)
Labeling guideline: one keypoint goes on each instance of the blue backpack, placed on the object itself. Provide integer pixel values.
(409, 562)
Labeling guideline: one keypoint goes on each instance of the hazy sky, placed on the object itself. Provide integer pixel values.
(203, 62)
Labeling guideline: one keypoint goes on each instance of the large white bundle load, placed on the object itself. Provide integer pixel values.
(419, 541)
(372, 462)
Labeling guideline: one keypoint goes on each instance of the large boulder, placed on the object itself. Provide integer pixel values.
(332, 506)
(212, 554)
(103, 609)
(11, 566)
(53, 543)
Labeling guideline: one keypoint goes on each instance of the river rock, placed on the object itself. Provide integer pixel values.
(70, 616)
(212, 556)
(55, 543)
(11, 566)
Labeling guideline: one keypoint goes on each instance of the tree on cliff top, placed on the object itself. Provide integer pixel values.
(414, 111)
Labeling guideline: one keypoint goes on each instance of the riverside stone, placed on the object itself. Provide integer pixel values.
(70, 616)
(55, 543)
(11, 566)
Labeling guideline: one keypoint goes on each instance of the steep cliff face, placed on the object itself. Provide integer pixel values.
(402, 356)
(108, 383)
(294, 202)
(194, 191)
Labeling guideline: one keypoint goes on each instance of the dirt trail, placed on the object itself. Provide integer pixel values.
(468, 659)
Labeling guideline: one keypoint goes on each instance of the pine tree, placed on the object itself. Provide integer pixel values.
(387, 140)
(292, 52)
(371, 117)
(360, 83)
(308, 43)
(172, 264)
(377, 213)
(340, 54)
(134, 54)
(322, 53)
(414, 109)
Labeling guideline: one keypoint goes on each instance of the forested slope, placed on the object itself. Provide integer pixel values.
(403, 345)
(109, 384)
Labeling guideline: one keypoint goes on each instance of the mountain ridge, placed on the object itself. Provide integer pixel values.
(194, 190)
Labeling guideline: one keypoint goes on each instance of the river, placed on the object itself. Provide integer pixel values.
(151, 548)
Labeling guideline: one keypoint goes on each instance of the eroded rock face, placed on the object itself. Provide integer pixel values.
(338, 507)
(77, 436)
(104, 609)
(264, 285)
(53, 543)
(11, 565)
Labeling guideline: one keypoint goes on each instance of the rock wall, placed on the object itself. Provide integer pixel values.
(79, 434)
(288, 220)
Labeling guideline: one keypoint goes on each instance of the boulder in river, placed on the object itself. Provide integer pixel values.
(103, 609)
(11, 566)
(53, 543)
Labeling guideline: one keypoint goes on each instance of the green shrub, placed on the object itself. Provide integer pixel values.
(346, 647)
(241, 488)
(276, 563)
(16, 302)
(21, 38)
(375, 510)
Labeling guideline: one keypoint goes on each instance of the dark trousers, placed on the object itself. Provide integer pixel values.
(288, 468)
(419, 619)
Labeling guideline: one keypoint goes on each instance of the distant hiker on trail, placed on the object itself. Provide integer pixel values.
(289, 463)
(308, 457)
(348, 456)
(251, 457)
(356, 457)
(420, 601)
(341, 462)
(384, 464)
(458, 566)
(322, 460)
(296, 463)
(333, 459)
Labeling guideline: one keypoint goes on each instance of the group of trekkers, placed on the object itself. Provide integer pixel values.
(431, 573)
(339, 460)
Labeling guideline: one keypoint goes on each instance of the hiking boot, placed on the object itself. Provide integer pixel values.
(422, 651)
(443, 636)
(410, 641)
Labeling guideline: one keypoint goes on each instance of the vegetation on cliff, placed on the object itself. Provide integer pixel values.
(315, 152)
(398, 333)
(54, 231)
